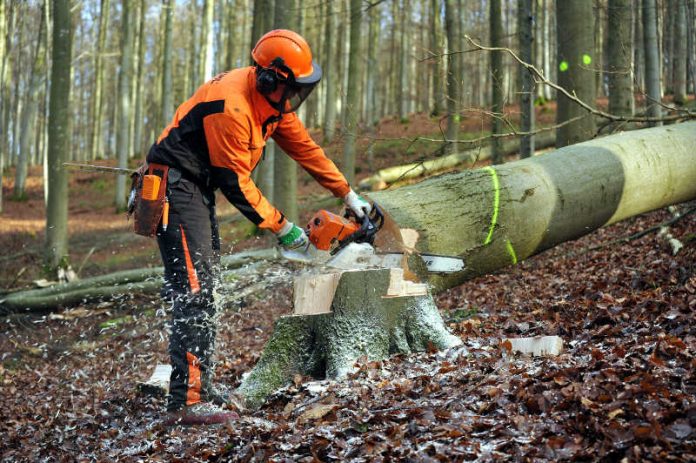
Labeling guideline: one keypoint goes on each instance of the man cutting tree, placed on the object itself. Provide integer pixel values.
(215, 141)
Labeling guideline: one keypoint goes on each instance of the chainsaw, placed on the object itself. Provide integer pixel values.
(348, 242)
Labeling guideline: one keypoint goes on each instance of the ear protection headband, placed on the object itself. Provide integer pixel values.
(267, 79)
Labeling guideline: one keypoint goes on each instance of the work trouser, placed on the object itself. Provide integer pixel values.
(190, 249)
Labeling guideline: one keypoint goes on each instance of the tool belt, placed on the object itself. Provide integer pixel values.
(148, 198)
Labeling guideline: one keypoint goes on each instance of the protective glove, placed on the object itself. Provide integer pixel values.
(357, 204)
(292, 237)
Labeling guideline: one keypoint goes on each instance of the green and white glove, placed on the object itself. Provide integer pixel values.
(359, 205)
(292, 237)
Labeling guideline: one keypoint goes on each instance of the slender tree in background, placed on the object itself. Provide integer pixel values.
(575, 63)
(138, 121)
(372, 67)
(453, 73)
(353, 96)
(27, 131)
(167, 96)
(653, 95)
(638, 47)
(496, 77)
(284, 168)
(679, 57)
(620, 58)
(124, 101)
(330, 71)
(5, 18)
(97, 104)
(56, 251)
(691, 45)
(436, 49)
(405, 83)
(525, 34)
(264, 175)
(205, 70)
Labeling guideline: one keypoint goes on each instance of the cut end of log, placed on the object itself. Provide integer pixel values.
(158, 384)
(537, 346)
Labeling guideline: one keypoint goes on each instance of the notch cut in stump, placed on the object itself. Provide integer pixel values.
(367, 318)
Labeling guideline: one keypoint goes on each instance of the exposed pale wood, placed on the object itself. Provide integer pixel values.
(158, 384)
(536, 346)
(401, 287)
(313, 294)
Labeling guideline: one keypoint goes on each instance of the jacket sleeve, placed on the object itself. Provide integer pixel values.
(230, 158)
(292, 136)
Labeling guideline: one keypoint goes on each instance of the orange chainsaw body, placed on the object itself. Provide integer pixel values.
(326, 229)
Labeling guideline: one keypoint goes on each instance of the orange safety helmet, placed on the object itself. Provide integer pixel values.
(284, 57)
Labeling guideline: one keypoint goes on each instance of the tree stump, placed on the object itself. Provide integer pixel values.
(371, 312)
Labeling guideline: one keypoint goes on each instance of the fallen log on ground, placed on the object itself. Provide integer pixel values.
(110, 286)
(499, 215)
(491, 217)
(414, 170)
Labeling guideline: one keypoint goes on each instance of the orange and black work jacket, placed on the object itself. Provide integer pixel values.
(217, 138)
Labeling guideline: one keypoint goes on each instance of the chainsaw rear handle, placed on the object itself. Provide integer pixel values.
(371, 224)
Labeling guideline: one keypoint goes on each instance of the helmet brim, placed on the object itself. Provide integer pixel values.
(313, 78)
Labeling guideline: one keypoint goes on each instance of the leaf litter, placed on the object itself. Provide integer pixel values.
(624, 387)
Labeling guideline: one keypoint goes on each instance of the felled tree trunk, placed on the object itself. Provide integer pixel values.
(496, 216)
(373, 313)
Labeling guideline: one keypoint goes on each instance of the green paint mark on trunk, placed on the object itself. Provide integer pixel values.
(511, 251)
(496, 203)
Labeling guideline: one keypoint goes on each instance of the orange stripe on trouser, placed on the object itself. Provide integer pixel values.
(193, 392)
(192, 277)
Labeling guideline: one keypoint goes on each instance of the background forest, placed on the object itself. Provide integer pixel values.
(120, 67)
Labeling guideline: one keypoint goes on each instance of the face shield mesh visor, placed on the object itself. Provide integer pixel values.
(294, 96)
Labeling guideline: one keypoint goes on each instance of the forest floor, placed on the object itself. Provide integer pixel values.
(624, 387)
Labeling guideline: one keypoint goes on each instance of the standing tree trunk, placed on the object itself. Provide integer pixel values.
(496, 76)
(404, 82)
(124, 102)
(284, 168)
(30, 109)
(575, 46)
(205, 70)
(453, 74)
(95, 145)
(138, 83)
(679, 57)
(653, 97)
(56, 252)
(167, 97)
(353, 97)
(330, 71)
(5, 28)
(436, 49)
(525, 31)
(620, 58)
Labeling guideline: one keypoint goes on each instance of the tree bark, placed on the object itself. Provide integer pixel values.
(353, 96)
(123, 135)
(284, 168)
(56, 251)
(575, 64)
(205, 71)
(653, 96)
(525, 34)
(453, 74)
(30, 110)
(437, 49)
(620, 58)
(167, 97)
(330, 70)
(679, 57)
(496, 77)
(138, 121)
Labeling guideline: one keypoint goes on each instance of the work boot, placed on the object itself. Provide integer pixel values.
(200, 414)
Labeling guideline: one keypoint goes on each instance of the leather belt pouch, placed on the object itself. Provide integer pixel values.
(150, 184)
